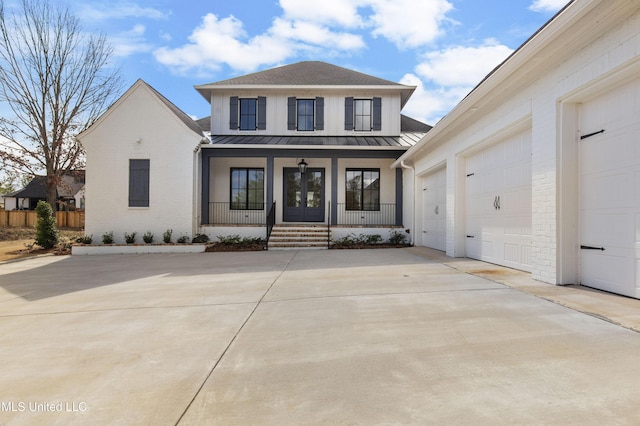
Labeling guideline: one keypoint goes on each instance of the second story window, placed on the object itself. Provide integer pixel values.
(362, 114)
(305, 115)
(248, 113)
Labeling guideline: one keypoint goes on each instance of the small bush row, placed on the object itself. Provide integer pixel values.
(236, 240)
(395, 238)
(130, 238)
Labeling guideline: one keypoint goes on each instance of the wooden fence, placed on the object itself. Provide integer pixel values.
(28, 219)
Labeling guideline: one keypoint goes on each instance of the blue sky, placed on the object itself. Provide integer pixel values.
(444, 47)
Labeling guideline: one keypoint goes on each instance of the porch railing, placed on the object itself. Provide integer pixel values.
(271, 221)
(221, 213)
(385, 214)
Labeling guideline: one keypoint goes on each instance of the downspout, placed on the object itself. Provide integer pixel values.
(413, 200)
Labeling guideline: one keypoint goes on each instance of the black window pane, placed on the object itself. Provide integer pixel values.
(362, 190)
(247, 189)
(248, 114)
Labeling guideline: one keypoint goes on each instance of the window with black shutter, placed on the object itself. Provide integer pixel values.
(138, 183)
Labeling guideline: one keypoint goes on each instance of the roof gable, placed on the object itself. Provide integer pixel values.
(141, 84)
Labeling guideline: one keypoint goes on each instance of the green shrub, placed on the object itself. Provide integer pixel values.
(229, 239)
(86, 239)
(107, 237)
(46, 232)
(147, 237)
(200, 238)
(183, 239)
(166, 237)
(397, 238)
(347, 240)
(371, 239)
(130, 238)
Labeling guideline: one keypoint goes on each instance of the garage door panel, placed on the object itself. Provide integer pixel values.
(604, 191)
(434, 210)
(610, 190)
(500, 214)
(618, 276)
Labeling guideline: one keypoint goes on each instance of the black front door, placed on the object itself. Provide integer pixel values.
(303, 195)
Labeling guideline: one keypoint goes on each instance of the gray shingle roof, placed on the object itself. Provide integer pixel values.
(307, 73)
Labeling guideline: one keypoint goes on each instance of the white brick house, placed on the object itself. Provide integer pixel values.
(152, 168)
(538, 168)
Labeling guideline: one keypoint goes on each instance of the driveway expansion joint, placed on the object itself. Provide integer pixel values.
(233, 339)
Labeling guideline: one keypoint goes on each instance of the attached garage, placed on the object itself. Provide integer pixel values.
(543, 155)
(434, 213)
(498, 203)
(609, 149)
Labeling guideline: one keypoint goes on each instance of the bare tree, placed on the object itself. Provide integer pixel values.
(56, 80)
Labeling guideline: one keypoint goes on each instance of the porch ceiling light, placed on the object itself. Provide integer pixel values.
(302, 166)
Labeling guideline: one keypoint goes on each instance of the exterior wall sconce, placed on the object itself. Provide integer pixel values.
(302, 166)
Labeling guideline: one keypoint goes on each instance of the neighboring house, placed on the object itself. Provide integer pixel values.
(538, 168)
(69, 196)
(151, 168)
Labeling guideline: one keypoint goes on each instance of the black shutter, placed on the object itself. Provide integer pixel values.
(233, 113)
(138, 183)
(377, 113)
(319, 113)
(262, 113)
(348, 113)
(291, 113)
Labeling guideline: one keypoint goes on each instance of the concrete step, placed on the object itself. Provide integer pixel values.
(298, 237)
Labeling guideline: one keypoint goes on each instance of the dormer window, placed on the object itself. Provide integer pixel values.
(248, 113)
(363, 115)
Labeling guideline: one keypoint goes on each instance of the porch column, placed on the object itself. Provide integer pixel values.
(399, 198)
(270, 173)
(333, 218)
(204, 209)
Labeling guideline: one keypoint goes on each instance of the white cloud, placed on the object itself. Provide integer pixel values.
(445, 77)
(342, 13)
(329, 26)
(312, 33)
(547, 5)
(217, 41)
(409, 23)
(107, 10)
(130, 42)
(224, 41)
(462, 66)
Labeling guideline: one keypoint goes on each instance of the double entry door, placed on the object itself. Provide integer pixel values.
(303, 195)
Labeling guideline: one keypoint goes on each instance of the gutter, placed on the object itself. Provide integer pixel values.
(413, 200)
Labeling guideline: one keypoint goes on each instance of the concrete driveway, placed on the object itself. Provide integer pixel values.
(308, 337)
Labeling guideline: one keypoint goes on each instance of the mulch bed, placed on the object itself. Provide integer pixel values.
(368, 246)
(218, 247)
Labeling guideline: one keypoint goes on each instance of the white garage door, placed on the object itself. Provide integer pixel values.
(610, 191)
(434, 214)
(498, 203)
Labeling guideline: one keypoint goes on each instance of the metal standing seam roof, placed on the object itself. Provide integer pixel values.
(406, 140)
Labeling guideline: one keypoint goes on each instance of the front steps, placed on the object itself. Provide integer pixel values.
(299, 237)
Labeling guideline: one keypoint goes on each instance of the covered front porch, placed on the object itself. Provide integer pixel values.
(247, 191)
